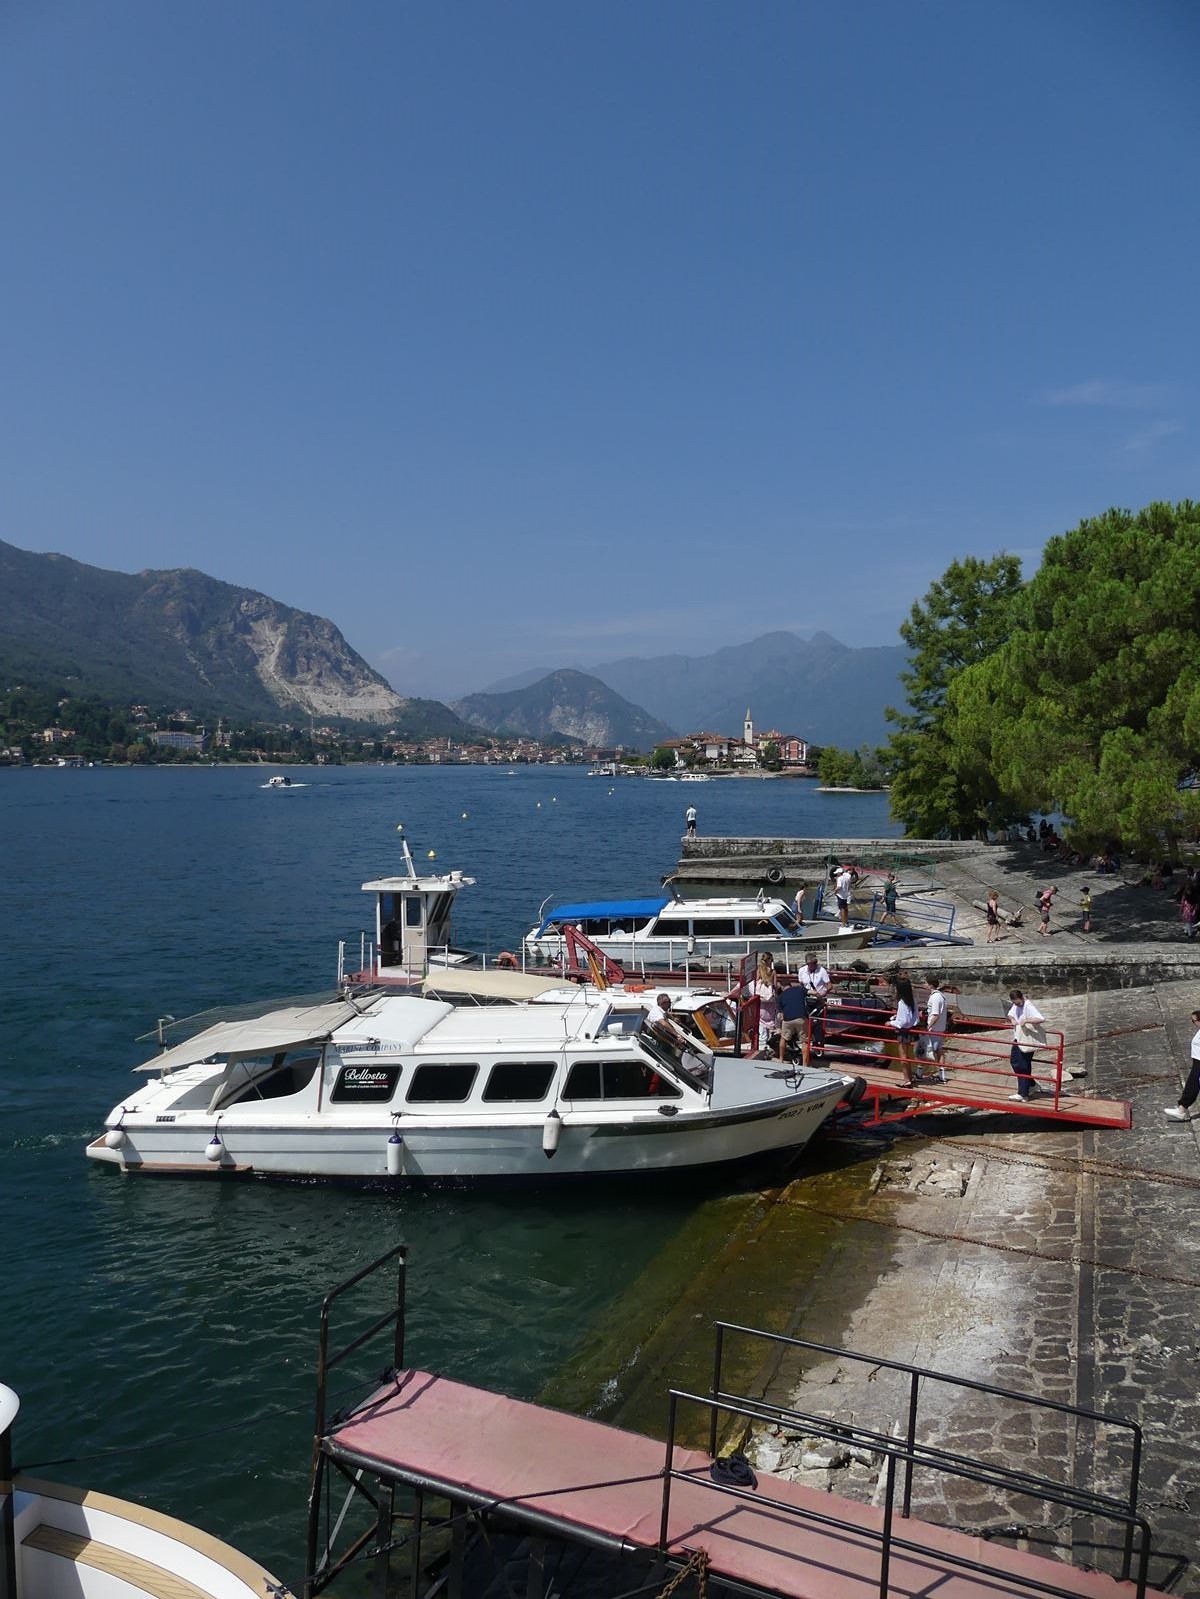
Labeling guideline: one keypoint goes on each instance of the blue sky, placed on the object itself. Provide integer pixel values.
(539, 333)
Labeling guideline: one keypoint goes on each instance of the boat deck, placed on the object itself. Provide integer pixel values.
(565, 1475)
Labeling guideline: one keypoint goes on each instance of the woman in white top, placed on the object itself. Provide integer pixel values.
(905, 1022)
(766, 991)
(1028, 1036)
(1191, 1089)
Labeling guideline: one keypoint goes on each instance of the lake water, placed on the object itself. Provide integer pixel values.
(182, 1316)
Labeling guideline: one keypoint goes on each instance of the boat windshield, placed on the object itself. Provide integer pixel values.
(676, 1057)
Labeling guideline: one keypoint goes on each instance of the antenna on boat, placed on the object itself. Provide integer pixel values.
(405, 851)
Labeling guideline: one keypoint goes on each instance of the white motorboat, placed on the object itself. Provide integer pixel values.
(562, 1081)
(281, 780)
(665, 932)
(60, 1542)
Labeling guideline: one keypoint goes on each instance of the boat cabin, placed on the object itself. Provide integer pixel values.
(412, 918)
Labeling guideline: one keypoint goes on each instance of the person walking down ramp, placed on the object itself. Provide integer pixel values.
(1029, 1035)
(689, 817)
(1191, 1089)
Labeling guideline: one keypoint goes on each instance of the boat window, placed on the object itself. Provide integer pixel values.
(617, 1079)
(514, 1080)
(672, 927)
(248, 1080)
(412, 910)
(621, 1024)
(447, 1083)
(583, 1080)
(636, 1079)
(716, 927)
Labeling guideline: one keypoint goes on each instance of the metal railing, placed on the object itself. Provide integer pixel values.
(935, 916)
(319, 1571)
(903, 1453)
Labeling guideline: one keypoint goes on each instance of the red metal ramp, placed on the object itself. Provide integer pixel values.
(971, 1088)
(566, 1474)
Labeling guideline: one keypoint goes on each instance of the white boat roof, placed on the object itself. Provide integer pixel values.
(293, 1027)
(435, 883)
(533, 1026)
(492, 984)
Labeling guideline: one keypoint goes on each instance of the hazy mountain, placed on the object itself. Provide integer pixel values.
(816, 687)
(181, 636)
(506, 685)
(567, 702)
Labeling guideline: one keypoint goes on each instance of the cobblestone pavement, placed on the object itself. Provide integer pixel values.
(1061, 1263)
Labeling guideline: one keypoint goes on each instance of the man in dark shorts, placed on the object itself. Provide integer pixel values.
(793, 1018)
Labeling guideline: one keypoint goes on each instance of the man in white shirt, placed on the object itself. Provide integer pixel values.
(935, 1023)
(1027, 1022)
(843, 888)
(689, 817)
(1191, 1089)
(814, 980)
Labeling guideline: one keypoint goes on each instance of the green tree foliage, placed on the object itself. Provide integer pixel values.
(663, 759)
(770, 757)
(943, 780)
(1092, 705)
(861, 768)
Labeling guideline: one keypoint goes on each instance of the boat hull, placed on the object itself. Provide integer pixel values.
(466, 1152)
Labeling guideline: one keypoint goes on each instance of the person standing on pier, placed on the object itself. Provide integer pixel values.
(993, 916)
(843, 888)
(814, 980)
(766, 991)
(1191, 1089)
(935, 1023)
(793, 1018)
(890, 891)
(1085, 909)
(1028, 1036)
(689, 817)
(905, 1023)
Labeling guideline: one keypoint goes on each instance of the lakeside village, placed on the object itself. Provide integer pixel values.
(86, 733)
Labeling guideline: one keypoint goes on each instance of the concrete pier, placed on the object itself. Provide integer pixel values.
(1059, 1261)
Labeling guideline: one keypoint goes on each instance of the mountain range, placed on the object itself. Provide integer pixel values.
(818, 688)
(572, 703)
(184, 637)
(215, 648)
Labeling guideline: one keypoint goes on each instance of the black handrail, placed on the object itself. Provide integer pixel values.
(893, 1453)
(314, 1581)
(928, 1455)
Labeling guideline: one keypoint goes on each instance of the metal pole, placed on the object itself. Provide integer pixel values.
(667, 1467)
(910, 1439)
(716, 1389)
(885, 1557)
(9, 1405)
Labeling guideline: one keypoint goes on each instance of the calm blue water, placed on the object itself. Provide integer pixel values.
(161, 1311)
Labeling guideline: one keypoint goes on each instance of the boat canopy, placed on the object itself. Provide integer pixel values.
(293, 1028)
(590, 910)
(492, 984)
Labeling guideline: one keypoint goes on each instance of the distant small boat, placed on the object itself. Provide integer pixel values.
(280, 781)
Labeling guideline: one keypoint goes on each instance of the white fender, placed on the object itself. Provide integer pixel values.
(551, 1133)
(214, 1150)
(395, 1155)
(115, 1137)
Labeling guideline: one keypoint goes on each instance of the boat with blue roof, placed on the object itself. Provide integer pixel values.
(667, 931)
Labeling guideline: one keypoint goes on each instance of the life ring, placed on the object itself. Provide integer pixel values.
(775, 875)
(506, 961)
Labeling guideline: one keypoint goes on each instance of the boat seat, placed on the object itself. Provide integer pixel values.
(131, 1570)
